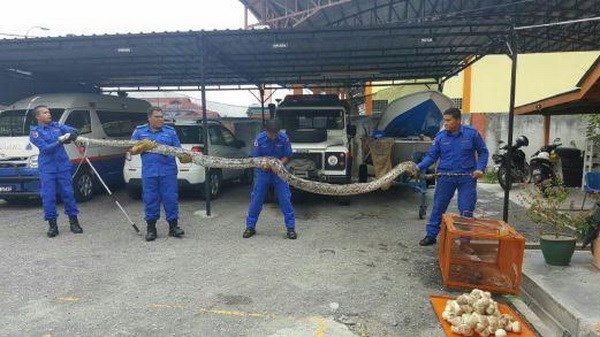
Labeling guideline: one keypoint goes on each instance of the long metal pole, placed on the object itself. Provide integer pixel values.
(205, 128)
(512, 44)
(110, 195)
(261, 90)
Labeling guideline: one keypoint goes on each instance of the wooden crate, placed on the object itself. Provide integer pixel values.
(480, 253)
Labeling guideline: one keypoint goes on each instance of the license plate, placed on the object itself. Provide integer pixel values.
(301, 174)
(6, 188)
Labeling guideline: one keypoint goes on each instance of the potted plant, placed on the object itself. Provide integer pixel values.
(589, 233)
(558, 228)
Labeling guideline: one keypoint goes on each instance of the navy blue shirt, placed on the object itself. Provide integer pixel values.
(456, 152)
(154, 164)
(53, 157)
(266, 147)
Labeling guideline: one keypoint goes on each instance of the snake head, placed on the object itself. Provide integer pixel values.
(186, 158)
(143, 146)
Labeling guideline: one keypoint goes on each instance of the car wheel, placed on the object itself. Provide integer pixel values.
(503, 178)
(247, 177)
(216, 182)
(134, 192)
(343, 201)
(362, 173)
(422, 212)
(83, 185)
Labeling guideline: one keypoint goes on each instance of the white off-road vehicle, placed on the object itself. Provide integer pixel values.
(319, 131)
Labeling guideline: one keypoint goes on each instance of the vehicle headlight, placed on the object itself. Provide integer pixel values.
(33, 161)
(335, 160)
(332, 160)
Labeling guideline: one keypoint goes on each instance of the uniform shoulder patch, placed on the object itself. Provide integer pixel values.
(256, 142)
(35, 134)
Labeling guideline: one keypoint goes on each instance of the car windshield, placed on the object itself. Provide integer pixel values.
(311, 119)
(19, 122)
(190, 134)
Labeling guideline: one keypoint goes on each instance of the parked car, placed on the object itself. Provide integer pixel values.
(190, 177)
(94, 115)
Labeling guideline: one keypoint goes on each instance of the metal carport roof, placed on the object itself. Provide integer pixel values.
(432, 50)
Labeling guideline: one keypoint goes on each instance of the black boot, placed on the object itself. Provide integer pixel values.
(174, 229)
(427, 241)
(53, 228)
(151, 230)
(291, 234)
(74, 222)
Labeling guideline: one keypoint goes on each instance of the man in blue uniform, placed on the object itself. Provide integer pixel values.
(159, 173)
(271, 143)
(55, 168)
(458, 169)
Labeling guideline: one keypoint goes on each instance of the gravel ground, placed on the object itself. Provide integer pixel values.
(354, 270)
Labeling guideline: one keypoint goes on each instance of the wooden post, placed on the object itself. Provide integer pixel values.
(546, 129)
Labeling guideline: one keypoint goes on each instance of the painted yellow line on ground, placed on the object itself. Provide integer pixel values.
(68, 299)
(321, 326)
(236, 313)
(167, 306)
(319, 321)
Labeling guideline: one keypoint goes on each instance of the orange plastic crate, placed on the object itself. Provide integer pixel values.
(480, 253)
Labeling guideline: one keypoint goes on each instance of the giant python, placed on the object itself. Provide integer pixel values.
(408, 168)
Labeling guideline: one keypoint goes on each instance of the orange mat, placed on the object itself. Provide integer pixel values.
(439, 303)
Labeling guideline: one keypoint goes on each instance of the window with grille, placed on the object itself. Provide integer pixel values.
(379, 105)
(457, 102)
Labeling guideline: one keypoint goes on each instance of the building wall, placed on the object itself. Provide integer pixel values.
(570, 129)
(538, 76)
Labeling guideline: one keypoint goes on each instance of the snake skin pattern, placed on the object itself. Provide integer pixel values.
(408, 168)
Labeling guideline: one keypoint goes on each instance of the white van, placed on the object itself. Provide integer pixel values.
(94, 115)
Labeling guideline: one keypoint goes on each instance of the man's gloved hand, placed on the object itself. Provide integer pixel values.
(72, 137)
(65, 139)
(265, 166)
(423, 176)
(185, 158)
(143, 146)
(412, 170)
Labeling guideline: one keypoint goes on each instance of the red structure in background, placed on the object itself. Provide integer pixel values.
(181, 108)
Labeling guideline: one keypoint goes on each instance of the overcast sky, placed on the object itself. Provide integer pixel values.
(62, 17)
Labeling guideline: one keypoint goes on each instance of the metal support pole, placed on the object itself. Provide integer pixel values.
(512, 44)
(207, 181)
(261, 90)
